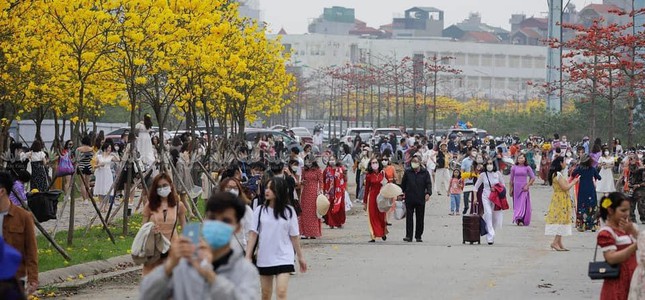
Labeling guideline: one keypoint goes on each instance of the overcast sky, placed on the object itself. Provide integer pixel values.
(294, 15)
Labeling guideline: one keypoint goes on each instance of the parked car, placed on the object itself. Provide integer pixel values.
(115, 135)
(251, 134)
(413, 131)
(278, 127)
(380, 132)
(364, 132)
(465, 133)
(303, 135)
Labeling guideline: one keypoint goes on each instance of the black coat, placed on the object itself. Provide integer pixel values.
(416, 185)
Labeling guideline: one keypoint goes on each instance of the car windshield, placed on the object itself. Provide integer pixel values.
(388, 132)
(353, 132)
(301, 131)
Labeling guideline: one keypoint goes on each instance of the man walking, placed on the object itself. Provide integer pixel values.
(417, 188)
(18, 231)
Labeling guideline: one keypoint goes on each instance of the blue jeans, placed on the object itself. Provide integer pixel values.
(454, 202)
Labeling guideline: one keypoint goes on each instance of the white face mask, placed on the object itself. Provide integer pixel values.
(164, 191)
(294, 169)
(415, 165)
(489, 168)
(640, 156)
(332, 163)
(569, 154)
(606, 153)
(384, 162)
(235, 192)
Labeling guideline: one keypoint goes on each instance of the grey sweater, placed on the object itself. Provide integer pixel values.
(238, 279)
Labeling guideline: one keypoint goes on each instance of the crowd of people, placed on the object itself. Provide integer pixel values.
(267, 199)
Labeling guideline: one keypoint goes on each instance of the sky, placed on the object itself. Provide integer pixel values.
(295, 15)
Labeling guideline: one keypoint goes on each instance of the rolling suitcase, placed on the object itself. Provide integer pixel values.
(471, 226)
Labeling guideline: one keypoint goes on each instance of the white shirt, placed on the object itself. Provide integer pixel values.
(274, 236)
(318, 139)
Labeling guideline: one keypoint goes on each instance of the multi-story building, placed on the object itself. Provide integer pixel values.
(250, 9)
(492, 71)
(418, 22)
(334, 20)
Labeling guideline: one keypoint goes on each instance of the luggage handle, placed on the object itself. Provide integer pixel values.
(474, 209)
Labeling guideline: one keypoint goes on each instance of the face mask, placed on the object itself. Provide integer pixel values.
(235, 192)
(164, 191)
(217, 234)
(606, 153)
(384, 162)
(332, 162)
(294, 169)
(569, 154)
(364, 153)
(489, 168)
(640, 156)
(375, 166)
(414, 165)
(116, 148)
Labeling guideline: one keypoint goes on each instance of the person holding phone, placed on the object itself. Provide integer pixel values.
(276, 233)
(206, 268)
(165, 210)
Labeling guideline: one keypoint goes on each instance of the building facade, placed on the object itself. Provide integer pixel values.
(491, 71)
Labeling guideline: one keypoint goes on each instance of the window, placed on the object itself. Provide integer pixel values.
(473, 59)
(472, 82)
(527, 62)
(514, 61)
(539, 62)
(500, 60)
(460, 59)
(486, 82)
(514, 84)
(487, 60)
(499, 83)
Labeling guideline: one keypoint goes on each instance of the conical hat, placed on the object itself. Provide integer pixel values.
(391, 190)
(322, 205)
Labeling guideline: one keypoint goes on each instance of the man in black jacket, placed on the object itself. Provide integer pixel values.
(417, 188)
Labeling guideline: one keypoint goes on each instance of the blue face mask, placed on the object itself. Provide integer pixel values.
(217, 233)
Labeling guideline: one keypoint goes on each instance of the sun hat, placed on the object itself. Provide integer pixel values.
(322, 205)
(10, 260)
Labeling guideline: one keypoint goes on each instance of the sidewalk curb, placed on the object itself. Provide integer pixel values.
(89, 270)
(79, 284)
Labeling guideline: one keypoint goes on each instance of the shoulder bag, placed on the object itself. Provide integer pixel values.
(602, 269)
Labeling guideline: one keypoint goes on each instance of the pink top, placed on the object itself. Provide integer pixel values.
(456, 186)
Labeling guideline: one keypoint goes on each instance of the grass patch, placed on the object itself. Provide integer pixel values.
(96, 245)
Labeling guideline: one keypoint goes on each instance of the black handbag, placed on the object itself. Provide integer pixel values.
(601, 269)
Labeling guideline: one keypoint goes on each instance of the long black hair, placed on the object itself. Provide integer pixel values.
(147, 121)
(280, 189)
(556, 166)
(369, 165)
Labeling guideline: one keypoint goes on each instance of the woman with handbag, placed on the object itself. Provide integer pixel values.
(558, 218)
(374, 180)
(165, 210)
(488, 179)
(617, 241)
(312, 181)
(275, 233)
(335, 183)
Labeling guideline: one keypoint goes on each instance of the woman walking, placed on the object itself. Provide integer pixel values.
(85, 154)
(275, 231)
(165, 211)
(587, 203)
(233, 186)
(616, 240)
(144, 141)
(38, 159)
(335, 183)
(373, 183)
(312, 182)
(558, 218)
(103, 174)
(488, 179)
(522, 179)
(606, 184)
(545, 162)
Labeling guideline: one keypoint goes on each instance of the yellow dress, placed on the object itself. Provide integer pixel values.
(558, 217)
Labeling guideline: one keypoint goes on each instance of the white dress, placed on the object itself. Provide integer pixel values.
(606, 184)
(103, 174)
(144, 145)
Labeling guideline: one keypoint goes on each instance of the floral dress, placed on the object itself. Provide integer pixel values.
(308, 221)
(615, 239)
(558, 217)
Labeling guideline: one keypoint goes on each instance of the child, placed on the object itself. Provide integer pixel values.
(456, 188)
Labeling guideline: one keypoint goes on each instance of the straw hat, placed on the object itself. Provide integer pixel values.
(322, 205)
(391, 190)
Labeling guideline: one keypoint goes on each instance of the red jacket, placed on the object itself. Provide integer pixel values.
(498, 197)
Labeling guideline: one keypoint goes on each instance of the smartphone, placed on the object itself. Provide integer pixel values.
(193, 231)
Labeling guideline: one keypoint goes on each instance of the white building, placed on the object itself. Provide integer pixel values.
(498, 70)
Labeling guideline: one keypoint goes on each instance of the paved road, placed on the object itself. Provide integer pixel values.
(342, 265)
